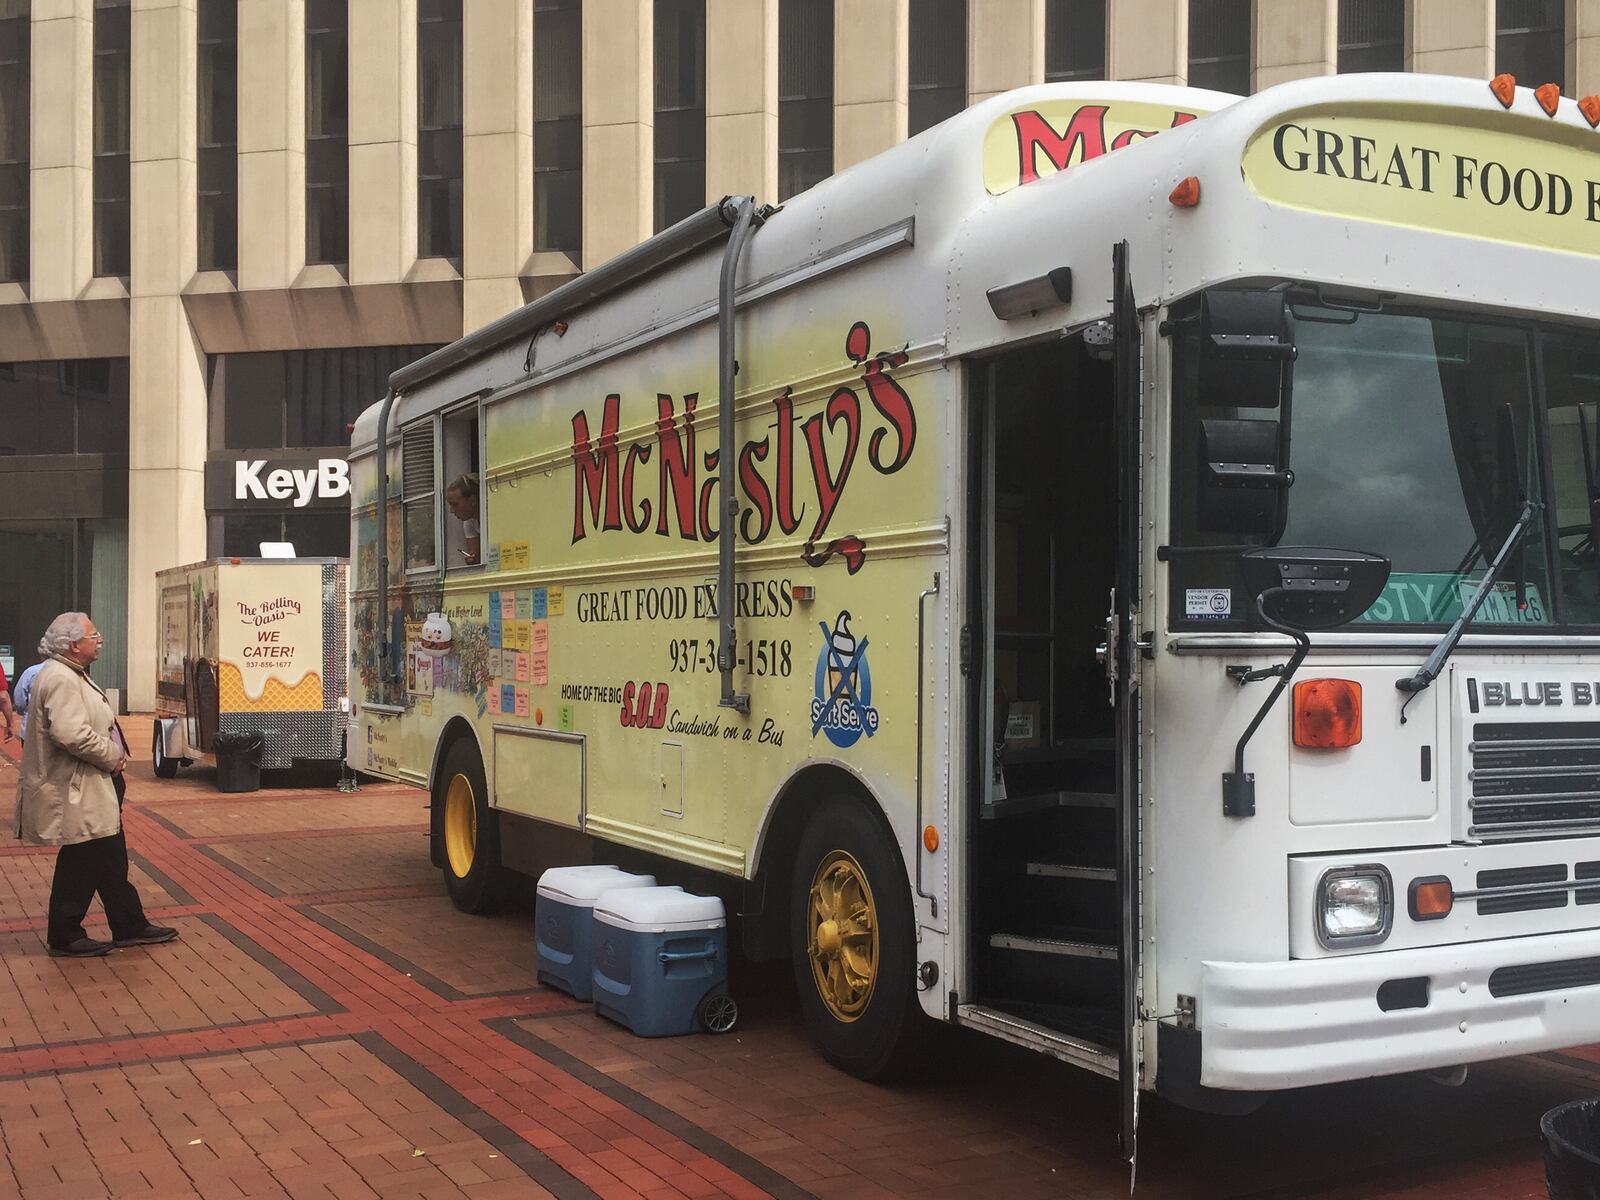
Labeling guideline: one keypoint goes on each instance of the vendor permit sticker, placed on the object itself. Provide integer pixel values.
(1207, 604)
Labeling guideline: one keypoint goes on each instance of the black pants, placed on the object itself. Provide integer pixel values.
(82, 869)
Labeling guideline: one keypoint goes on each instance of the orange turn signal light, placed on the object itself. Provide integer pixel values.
(1327, 714)
(1187, 193)
(1431, 898)
(1549, 97)
(930, 838)
(1504, 88)
(1589, 106)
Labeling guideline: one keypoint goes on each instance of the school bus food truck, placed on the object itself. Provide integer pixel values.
(997, 646)
(251, 648)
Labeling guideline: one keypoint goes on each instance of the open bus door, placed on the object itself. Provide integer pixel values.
(1121, 664)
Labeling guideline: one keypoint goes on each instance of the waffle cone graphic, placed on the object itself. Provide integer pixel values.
(841, 650)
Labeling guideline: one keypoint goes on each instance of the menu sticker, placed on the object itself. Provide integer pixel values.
(557, 601)
(495, 629)
(508, 606)
(541, 636)
(522, 668)
(564, 718)
(524, 605)
(508, 698)
(492, 559)
(541, 603)
(524, 706)
(514, 556)
(494, 701)
(541, 669)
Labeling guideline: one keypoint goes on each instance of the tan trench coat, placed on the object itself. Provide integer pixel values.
(65, 794)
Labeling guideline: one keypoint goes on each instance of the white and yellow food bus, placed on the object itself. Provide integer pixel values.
(1143, 601)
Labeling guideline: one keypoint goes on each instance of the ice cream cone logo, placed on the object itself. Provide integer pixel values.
(842, 709)
(842, 651)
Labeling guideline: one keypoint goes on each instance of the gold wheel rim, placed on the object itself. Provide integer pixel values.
(460, 826)
(842, 936)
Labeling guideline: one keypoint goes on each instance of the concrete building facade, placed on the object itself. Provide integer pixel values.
(223, 221)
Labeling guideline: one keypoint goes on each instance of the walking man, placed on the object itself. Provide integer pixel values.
(68, 796)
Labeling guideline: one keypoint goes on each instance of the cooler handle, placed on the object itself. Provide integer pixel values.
(670, 956)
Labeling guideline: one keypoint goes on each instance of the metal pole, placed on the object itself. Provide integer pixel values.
(742, 209)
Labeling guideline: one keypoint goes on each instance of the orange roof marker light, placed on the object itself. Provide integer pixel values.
(1589, 106)
(1504, 88)
(1549, 97)
(1187, 193)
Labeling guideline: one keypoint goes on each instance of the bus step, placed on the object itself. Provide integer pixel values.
(1051, 945)
(1013, 806)
(1078, 1051)
(1073, 871)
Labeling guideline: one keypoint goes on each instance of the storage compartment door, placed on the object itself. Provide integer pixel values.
(540, 773)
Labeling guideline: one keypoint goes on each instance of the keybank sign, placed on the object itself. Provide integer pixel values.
(328, 480)
(278, 483)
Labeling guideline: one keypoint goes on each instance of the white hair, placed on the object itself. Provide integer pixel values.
(69, 627)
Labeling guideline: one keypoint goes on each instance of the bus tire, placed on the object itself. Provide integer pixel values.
(468, 831)
(852, 943)
(164, 767)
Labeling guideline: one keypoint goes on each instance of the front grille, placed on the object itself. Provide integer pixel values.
(1535, 779)
(1518, 878)
(1544, 977)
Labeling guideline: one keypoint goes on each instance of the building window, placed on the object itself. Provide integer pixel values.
(558, 126)
(938, 62)
(680, 110)
(276, 399)
(14, 83)
(1529, 41)
(1074, 40)
(1219, 45)
(439, 149)
(327, 132)
(1371, 35)
(216, 126)
(71, 406)
(805, 94)
(312, 534)
(112, 44)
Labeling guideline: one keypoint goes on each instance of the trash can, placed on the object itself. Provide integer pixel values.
(1571, 1134)
(239, 761)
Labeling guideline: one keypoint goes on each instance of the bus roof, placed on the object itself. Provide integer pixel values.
(1426, 186)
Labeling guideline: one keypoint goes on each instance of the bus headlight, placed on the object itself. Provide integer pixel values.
(1355, 906)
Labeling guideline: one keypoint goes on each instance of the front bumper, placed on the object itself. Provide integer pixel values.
(1276, 1025)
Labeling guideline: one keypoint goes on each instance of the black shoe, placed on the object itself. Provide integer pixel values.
(150, 935)
(84, 947)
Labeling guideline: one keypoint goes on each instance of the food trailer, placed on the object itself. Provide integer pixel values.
(251, 666)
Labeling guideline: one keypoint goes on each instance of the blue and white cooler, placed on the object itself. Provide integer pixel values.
(661, 962)
(563, 917)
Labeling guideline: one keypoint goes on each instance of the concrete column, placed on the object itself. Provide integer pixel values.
(1450, 37)
(497, 218)
(1583, 47)
(61, 149)
(1005, 46)
(1148, 40)
(383, 139)
(1293, 39)
(167, 394)
(871, 78)
(272, 142)
(619, 82)
(742, 99)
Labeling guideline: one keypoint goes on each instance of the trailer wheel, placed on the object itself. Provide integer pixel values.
(851, 941)
(469, 831)
(165, 768)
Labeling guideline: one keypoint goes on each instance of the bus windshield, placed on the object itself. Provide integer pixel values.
(1414, 435)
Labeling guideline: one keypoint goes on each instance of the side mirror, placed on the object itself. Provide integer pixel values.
(1313, 587)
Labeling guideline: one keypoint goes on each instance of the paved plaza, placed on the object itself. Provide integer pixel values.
(329, 1026)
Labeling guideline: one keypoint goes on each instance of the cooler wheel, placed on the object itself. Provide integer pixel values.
(718, 1013)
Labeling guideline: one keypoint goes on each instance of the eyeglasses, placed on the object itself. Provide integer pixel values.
(93, 637)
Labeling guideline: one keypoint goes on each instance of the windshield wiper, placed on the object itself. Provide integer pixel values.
(1429, 670)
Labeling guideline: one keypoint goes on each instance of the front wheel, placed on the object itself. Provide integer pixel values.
(852, 942)
(165, 767)
(468, 832)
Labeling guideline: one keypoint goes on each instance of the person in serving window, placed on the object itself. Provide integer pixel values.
(461, 498)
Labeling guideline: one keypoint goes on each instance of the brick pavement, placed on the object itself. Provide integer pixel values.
(327, 1015)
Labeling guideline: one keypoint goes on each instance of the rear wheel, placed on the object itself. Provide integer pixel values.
(851, 942)
(165, 767)
(468, 832)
